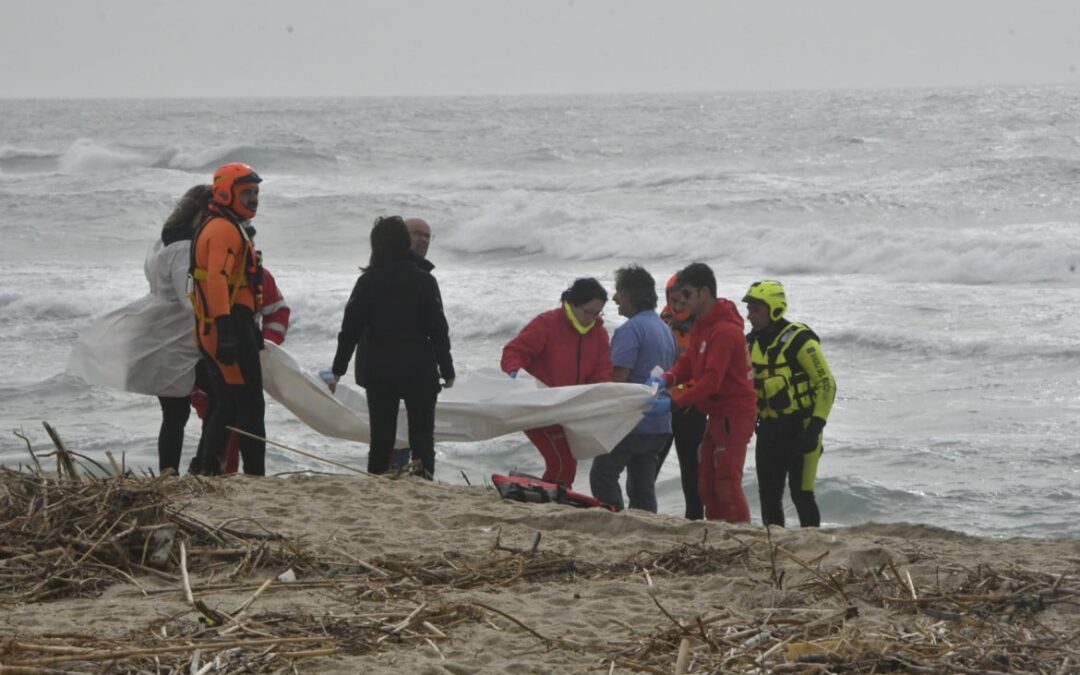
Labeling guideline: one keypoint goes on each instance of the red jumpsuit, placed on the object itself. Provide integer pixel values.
(718, 380)
(552, 350)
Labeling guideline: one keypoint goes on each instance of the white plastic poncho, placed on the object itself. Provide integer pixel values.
(148, 346)
(480, 406)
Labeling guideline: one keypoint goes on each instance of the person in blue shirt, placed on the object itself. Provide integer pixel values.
(638, 346)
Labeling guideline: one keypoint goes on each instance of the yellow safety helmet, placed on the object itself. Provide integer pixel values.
(772, 294)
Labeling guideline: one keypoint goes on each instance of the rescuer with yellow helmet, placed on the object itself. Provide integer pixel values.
(795, 392)
(226, 276)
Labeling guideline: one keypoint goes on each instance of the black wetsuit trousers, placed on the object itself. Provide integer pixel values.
(780, 460)
(175, 411)
(238, 405)
(687, 428)
(384, 400)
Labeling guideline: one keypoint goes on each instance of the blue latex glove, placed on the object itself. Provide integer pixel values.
(330, 379)
(658, 407)
(658, 381)
(513, 374)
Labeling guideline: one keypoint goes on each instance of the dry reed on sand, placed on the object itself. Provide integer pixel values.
(74, 534)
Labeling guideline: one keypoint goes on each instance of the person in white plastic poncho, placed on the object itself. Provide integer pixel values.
(147, 346)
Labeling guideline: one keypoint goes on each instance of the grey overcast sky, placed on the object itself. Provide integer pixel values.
(155, 48)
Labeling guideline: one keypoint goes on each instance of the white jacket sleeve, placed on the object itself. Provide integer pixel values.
(178, 270)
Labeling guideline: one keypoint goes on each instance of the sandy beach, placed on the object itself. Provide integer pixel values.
(405, 575)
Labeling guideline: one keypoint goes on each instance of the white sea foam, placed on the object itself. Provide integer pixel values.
(85, 156)
(595, 180)
(557, 226)
(9, 152)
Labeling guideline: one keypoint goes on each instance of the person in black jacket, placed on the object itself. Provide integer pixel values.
(420, 240)
(394, 322)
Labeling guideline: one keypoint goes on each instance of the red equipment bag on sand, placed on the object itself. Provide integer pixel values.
(530, 489)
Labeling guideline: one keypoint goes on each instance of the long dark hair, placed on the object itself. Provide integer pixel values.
(390, 240)
(189, 213)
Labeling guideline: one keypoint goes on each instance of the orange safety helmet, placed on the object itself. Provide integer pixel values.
(679, 322)
(671, 283)
(227, 179)
(682, 315)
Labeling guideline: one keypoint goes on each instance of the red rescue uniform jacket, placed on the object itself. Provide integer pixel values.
(550, 349)
(275, 313)
(715, 368)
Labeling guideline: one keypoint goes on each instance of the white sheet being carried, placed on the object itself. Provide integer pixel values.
(480, 406)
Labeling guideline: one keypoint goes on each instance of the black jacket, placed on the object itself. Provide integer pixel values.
(422, 263)
(394, 321)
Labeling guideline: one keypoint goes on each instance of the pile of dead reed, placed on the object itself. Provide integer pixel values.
(73, 532)
(983, 619)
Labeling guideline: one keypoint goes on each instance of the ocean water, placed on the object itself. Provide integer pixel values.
(928, 236)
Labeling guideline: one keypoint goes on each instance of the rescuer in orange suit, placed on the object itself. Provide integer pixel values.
(226, 271)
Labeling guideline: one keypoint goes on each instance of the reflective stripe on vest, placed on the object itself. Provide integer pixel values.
(238, 279)
(783, 387)
(236, 282)
(250, 274)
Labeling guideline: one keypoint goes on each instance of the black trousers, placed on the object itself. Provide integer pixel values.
(688, 428)
(175, 411)
(384, 400)
(238, 405)
(780, 459)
